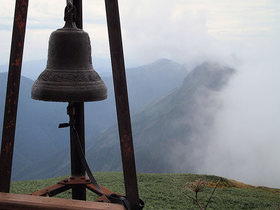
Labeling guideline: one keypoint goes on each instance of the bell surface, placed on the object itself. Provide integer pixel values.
(69, 75)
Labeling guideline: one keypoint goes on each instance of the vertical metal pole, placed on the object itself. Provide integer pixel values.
(10, 115)
(120, 86)
(78, 191)
(79, 9)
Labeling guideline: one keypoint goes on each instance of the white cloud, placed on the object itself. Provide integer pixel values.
(245, 136)
(36, 44)
(181, 29)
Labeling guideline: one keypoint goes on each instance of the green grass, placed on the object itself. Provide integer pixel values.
(166, 191)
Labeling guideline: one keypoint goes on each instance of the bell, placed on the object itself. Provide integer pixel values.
(69, 75)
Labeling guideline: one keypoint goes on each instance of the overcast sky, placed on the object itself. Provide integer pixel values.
(244, 34)
(183, 30)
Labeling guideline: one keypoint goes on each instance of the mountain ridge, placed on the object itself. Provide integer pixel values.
(174, 114)
(39, 142)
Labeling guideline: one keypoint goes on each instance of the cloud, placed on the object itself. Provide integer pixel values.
(154, 31)
(183, 30)
(44, 17)
(245, 136)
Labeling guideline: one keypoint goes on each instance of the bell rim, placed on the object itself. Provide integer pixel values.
(66, 95)
(65, 86)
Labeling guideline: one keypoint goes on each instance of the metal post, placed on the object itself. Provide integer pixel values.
(122, 106)
(10, 115)
(78, 191)
(79, 13)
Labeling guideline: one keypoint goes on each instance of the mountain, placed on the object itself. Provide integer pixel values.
(42, 150)
(32, 69)
(145, 84)
(36, 122)
(170, 134)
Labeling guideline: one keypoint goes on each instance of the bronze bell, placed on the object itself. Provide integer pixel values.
(69, 75)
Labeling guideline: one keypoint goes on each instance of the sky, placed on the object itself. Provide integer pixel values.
(186, 31)
(241, 34)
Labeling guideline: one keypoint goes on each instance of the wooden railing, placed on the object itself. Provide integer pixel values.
(12, 201)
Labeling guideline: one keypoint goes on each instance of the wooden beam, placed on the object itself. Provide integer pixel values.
(11, 201)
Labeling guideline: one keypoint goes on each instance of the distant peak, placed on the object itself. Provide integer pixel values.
(212, 67)
(164, 61)
(210, 63)
(161, 64)
(209, 74)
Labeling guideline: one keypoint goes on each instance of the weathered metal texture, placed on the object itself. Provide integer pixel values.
(75, 111)
(69, 75)
(76, 114)
(71, 182)
(93, 188)
(122, 105)
(52, 190)
(10, 115)
(79, 13)
(76, 166)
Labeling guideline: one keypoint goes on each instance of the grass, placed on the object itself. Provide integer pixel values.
(166, 191)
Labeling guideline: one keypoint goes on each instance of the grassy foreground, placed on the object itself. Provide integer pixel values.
(166, 191)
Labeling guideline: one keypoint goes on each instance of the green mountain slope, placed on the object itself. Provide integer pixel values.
(169, 134)
(166, 191)
(36, 122)
(145, 84)
(42, 150)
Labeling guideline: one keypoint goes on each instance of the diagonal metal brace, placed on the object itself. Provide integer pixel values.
(10, 114)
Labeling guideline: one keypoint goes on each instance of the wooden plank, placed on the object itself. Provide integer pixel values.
(18, 201)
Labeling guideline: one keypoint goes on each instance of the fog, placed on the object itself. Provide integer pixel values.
(243, 139)
(244, 135)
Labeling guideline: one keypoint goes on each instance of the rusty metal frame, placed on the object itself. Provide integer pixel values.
(78, 191)
(122, 104)
(10, 113)
(71, 182)
(122, 107)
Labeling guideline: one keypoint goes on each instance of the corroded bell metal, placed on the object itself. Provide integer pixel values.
(69, 75)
